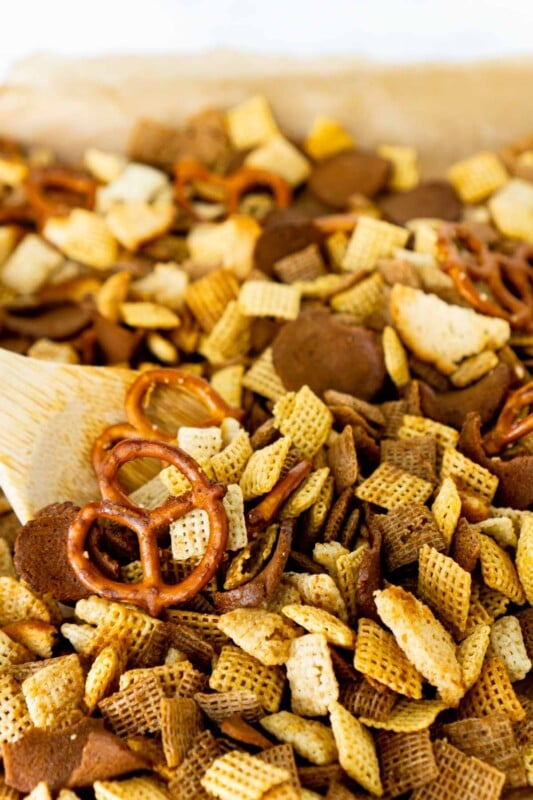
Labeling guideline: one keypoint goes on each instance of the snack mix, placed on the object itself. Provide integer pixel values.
(310, 570)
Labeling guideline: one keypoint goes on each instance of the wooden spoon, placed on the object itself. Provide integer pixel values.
(50, 415)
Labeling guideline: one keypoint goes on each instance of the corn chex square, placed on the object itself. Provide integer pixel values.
(263, 469)
(55, 693)
(378, 656)
(311, 739)
(360, 300)
(498, 570)
(471, 654)
(391, 487)
(395, 355)
(103, 675)
(372, 239)
(468, 475)
(327, 137)
(445, 436)
(265, 635)
(320, 509)
(240, 776)
(357, 751)
(477, 177)
(524, 557)
(269, 299)
(189, 535)
(512, 209)
(251, 123)
(208, 297)
(228, 383)
(347, 573)
(311, 676)
(405, 167)
(229, 338)
(445, 587)
(200, 443)
(319, 590)
(316, 620)
(304, 418)
(15, 718)
(185, 781)
(282, 158)
(262, 377)
(446, 509)
(493, 691)
(228, 465)
(237, 670)
(140, 788)
(507, 642)
(306, 494)
(408, 715)
(83, 236)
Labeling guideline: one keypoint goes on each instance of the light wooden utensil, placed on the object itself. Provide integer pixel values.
(50, 415)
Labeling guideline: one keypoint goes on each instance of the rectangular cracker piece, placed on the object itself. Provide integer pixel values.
(378, 656)
(498, 570)
(304, 418)
(311, 676)
(357, 751)
(445, 587)
(371, 240)
(407, 760)
(237, 670)
(390, 487)
(493, 691)
(54, 694)
(240, 776)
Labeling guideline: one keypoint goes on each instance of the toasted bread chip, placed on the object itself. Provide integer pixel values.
(316, 620)
(240, 776)
(304, 265)
(396, 362)
(268, 299)
(512, 209)
(462, 776)
(280, 157)
(263, 468)
(408, 715)
(327, 137)
(222, 705)
(103, 675)
(407, 760)
(357, 751)
(372, 239)
(477, 177)
(228, 383)
(304, 418)
(311, 740)
(524, 557)
(263, 634)
(361, 300)
(506, 641)
(423, 639)
(208, 297)
(455, 332)
(405, 168)
(468, 475)
(347, 574)
(499, 571)
(446, 509)
(311, 677)
(181, 722)
(83, 236)
(378, 656)
(321, 591)
(492, 740)
(445, 587)
(493, 691)
(391, 487)
(15, 718)
(138, 788)
(55, 693)
(135, 223)
(306, 494)
(414, 426)
(405, 530)
(471, 654)
(30, 265)
(237, 670)
(251, 123)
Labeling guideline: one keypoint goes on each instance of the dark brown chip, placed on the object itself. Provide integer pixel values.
(317, 778)
(318, 350)
(371, 413)
(338, 515)
(116, 343)
(435, 199)
(369, 577)
(405, 530)
(525, 618)
(417, 455)
(342, 460)
(60, 322)
(334, 180)
(344, 669)
(73, 757)
(237, 728)
(465, 546)
(349, 531)
(41, 557)
(407, 760)
(280, 240)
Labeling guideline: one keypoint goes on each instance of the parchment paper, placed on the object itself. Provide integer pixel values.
(446, 111)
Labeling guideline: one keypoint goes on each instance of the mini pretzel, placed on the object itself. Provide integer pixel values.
(136, 394)
(234, 186)
(510, 426)
(108, 439)
(50, 190)
(509, 278)
(151, 593)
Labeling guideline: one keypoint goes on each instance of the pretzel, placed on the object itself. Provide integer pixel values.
(135, 400)
(43, 185)
(233, 186)
(151, 592)
(108, 439)
(510, 426)
(509, 278)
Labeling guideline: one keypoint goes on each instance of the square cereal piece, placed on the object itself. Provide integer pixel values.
(319, 590)
(229, 339)
(139, 788)
(135, 223)
(498, 570)
(426, 643)
(311, 677)
(390, 487)
(471, 654)
(492, 740)
(524, 557)
(327, 137)
(320, 778)
(446, 509)
(176, 678)
(445, 587)
(282, 755)
(468, 475)
(240, 776)
(327, 554)
(413, 425)
(417, 455)
(251, 123)
(280, 157)
(54, 694)
(83, 236)
(189, 535)
(493, 691)
(219, 706)
(185, 782)
(372, 239)
(228, 383)
(237, 670)
(366, 700)
(200, 443)
(512, 209)
(181, 722)
(316, 620)
(208, 297)
(506, 641)
(263, 468)
(312, 740)
(408, 715)
(228, 465)
(304, 418)
(357, 751)
(405, 529)
(304, 265)
(269, 299)
(378, 656)
(30, 265)
(473, 368)
(263, 379)
(103, 675)
(306, 494)
(347, 573)
(18, 602)
(361, 300)
(477, 177)
(461, 776)
(407, 760)
(202, 624)
(15, 719)
(263, 634)
(395, 355)
(135, 710)
(405, 167)
(233, 503)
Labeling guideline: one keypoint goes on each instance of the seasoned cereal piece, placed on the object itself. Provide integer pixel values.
(311, 677)
(181, 722)
(460, 776)
(357, 751)
(237, 670)
(304, 418)
(316, 620)
(417, 455)
(240, 776)
(445, 587)
(477, 177)
(391, 487)
(54, 694)
(408, 715)
(263, 634)
(493, 691)
(407, 760)
(371, 240)
(263, 468)
(405, 530)
(378, 656)
(471, 654)
(311, 739)
(506, 641)
(446, 509)
(499, 571)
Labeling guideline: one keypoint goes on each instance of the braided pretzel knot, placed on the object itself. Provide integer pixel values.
(151, 593)
(233, 186)
(467, 259)
(510, 425)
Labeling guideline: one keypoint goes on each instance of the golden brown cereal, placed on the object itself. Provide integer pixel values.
(306, 494)
(426, 643)
(143, 314)
(446, 509)
(408, 715)
(473, 368)
(133, 224)
(263, 468)
(251, 123)
(11, 652)
(103, 675)
(15, 719)
(280, 157)
(511, 209)
(18, 602)
(140, 788)
(361, 300)
(83, 236)
(228, 383)
(239, 776)
(396, 362)
(371, 240)
(506, 641)
(237, 670)
(327, 554)
(316, 620)
(229, 339)
(492, 691)
(499, 571)
(405, 167)
(282, 755)
(378, 656)
(471, 654)
(260, 633)
(311, 677)
(55, 693)
(413, 426)
(268, 299)
(327, 137)
(462, 776)
(468, 475)
(186, 779)
(222, 705)
(445, 587)
(208, 297)
(31, 264)
(347, 574)
(357, 751)
(524, 557)
(342, 458)
(189, 535)
(407, 760)
(391, 487)
(177, 678)
(263, 379)
(321, 591)
(35, 636)
(181, 722)
(477, 177)
(311, 739)
(304, 418)
(365, 700)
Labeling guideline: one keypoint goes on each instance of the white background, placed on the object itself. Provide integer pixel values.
(390, 30)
